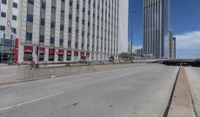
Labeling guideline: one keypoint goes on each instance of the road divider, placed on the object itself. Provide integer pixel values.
(27, 73)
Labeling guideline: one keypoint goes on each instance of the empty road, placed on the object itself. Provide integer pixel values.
(141, 91)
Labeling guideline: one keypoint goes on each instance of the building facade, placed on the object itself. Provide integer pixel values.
(8, 27)
(123, 25)
(156, 38)
(67, 30)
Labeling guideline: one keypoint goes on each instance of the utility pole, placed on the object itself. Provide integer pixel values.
(132, 28)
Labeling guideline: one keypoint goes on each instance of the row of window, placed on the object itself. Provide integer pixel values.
(3, 28)
(53, 11)
(3, 14)
(15, 5)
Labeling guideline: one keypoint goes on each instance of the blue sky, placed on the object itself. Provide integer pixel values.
(185, 24)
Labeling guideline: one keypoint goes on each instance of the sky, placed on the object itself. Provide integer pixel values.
(185, 25)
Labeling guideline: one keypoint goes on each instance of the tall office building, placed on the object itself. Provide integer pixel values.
(8, 27)
(156, 37)
(123, 25)
(67, 30)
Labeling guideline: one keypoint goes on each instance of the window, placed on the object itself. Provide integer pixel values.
(70, 30)
(15, 5)
(70, 16)
(53, 9)
(43, 6)
(52, 40)
(62, 13)
(14, 17)
(28, 36)
(29, 18)
(3, 14)
(62, 27)
(3, 28)
(52, 24)
(61, 42)
(4, 1)
(42, 22)
(41, 38)
(14, 30)
(31, 2)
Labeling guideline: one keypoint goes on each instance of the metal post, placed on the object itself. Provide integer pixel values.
(2, 47)
(132, 28)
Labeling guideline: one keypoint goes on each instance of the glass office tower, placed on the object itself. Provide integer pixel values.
(156, 28)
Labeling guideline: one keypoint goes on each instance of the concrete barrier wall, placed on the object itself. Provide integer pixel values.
(26, 73)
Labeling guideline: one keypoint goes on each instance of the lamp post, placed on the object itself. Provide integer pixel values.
(132, 28)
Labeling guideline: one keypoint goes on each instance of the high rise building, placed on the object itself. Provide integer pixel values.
(68, 30)
(8, 27)
(157, 23)
(123, 25)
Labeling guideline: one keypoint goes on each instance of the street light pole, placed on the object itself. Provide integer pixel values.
(132, 28)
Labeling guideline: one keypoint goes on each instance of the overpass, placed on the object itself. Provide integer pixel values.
(184, 62)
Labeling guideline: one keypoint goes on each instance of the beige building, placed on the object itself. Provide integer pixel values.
(67, 30)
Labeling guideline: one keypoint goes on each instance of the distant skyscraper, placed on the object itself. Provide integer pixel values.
(156, 28)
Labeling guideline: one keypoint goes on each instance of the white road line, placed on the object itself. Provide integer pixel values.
(31, 101)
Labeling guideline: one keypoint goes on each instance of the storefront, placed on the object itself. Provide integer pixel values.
(28, 51)
(42, 54)
(69, 55)
(60, 55)
(6, 50)
(51, 54)
(83, 56)
(88, 55)
(76, 55)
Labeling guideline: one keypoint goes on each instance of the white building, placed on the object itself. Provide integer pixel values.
(8, 26)
(9, 13)
(123, 24)
(70, 30)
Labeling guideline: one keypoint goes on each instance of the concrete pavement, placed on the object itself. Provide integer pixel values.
(141, 91)
(194, 80)
(181, 104)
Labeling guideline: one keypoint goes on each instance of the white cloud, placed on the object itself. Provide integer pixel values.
(188, 43)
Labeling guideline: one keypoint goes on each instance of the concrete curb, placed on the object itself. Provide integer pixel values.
(182, 104)
(194, 96)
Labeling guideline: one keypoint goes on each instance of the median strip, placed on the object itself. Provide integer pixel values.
(181, 104)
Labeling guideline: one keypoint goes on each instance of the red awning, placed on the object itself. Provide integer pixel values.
(60, 52)
(28, 49)
(42, 50)
(75, 53)
(69, 53)
(51, 51)
(82, 54)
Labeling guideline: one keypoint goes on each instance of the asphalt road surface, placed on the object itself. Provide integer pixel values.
(141, 91)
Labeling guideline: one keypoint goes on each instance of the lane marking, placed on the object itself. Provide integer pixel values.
(29, 102)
